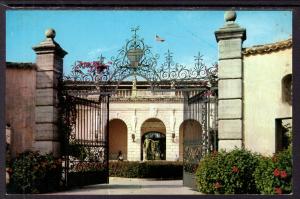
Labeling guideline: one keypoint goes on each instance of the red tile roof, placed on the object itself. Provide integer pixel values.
(268, 48)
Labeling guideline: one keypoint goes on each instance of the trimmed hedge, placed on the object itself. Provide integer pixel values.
(86, 178)
(147, 169)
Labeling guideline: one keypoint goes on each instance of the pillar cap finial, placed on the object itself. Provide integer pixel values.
(50, 33)
(49, 46)
(230, 16)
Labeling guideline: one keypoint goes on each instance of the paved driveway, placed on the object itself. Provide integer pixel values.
(133, 186)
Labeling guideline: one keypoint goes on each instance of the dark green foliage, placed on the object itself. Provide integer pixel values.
(35, 173)
(86, 177)
(273, 175)
(227, 173)
(147, 169)
(77, 151)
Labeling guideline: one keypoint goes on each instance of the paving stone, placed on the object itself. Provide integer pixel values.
(133, 186)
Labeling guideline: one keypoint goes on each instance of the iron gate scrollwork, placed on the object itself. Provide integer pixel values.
(85, 143)
(136, 59)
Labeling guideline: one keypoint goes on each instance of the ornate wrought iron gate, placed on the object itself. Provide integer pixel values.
(102, 79)
(200, 132)
(85, 147)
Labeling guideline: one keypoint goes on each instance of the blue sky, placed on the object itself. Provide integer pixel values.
(87, 34)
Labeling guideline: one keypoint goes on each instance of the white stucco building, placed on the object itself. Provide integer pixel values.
(134, 112)
(267, 94)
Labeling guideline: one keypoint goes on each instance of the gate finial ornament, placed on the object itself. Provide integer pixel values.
(50, 33)
(135, 29)
(230, 16)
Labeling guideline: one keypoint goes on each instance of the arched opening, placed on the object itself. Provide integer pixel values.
(286, 87)
(153, 140)
(189, 131)
(117, 139)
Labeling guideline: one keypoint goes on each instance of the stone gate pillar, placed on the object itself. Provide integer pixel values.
(230, 85)
(49, 63)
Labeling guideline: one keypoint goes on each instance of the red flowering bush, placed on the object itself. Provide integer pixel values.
(273, 175)
(240, 171)
(283, 174)
(227, 172)
(278, 190)
(92, 67)
(276, 172)
(217, 185)
(235, 169)
(35, 173)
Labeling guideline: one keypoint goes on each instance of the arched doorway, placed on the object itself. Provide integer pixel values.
(117, 139)
(153, 140)
(189, 130)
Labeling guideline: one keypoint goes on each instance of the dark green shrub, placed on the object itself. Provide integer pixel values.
(77, 151)
(273, 175)
(209, 173)
(227, 172)
(86, 178)
(86, 173)
(147, 169)
(35, 173)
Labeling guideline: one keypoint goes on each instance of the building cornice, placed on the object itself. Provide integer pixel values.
(147, 100)
(268, 48)
(21, 65)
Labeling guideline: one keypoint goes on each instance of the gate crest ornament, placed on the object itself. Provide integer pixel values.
(136, 59)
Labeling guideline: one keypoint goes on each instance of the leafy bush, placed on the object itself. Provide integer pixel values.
(227, 172)
(77, 151)
(273, 175)
(35, 173)
(147, 169)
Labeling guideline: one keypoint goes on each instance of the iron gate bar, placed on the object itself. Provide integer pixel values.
(201, 96)
(200, 107)
(85, 153)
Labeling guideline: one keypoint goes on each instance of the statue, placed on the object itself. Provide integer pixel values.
(173, 121)
(134, 120)
(147, 149)
(155, 150)
(151, 150)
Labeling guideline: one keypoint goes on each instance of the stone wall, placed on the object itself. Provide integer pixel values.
(49, 62)
(19, 105)
(31, 99)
